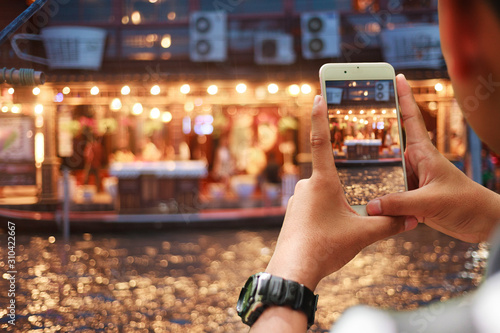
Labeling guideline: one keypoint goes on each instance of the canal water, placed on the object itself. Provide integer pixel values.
(189, 281)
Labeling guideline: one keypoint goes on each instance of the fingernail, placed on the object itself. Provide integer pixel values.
(374, 207)
(317, 99)
(410, 223)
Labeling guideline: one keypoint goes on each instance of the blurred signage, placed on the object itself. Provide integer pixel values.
(413, 46)
(17, 156)
(320, 35)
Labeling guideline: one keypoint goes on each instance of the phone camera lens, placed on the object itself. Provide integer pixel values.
(345, 72)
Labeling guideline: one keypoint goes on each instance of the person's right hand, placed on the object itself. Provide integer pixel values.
(439, 195)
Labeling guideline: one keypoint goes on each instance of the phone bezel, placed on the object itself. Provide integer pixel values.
(364, 71)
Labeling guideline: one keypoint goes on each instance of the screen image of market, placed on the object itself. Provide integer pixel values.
(365, 138)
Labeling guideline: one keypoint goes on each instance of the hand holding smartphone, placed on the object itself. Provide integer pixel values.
(365, 129)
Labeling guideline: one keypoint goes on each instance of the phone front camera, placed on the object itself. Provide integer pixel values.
(345, 72)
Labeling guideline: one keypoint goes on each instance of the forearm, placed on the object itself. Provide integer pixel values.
(491, 211)
(278, 319)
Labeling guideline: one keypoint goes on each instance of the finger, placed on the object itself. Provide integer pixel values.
(416, 131)
(321, 147)
(379, 227)
(411, 203)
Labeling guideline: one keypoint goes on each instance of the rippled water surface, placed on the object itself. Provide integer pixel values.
(189, 281)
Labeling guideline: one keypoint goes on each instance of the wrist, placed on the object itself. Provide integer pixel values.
(290, 271)
(493, 218)
(280, 319)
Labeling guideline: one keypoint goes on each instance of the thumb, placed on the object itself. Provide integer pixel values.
(379, 227)
(411, 203)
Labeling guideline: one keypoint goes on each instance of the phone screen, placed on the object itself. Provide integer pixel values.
(366, 138)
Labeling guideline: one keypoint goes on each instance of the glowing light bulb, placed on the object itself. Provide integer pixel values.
(306, 89)
(116, 104)
(185, 89)
(241, 88)
(125, 90)
(11, 91)
(212, 90)
(272, 88)
(438, 87)
(94, 90)
(66, 90)
(166, 117)
(15, 109)
(166, 41)
(38, 109)
(137, 109)
(294, 90)
(154, 113)
(136, 17)
(36, 91)
(155, 90)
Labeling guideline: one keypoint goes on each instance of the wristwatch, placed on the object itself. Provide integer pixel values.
(263, 290)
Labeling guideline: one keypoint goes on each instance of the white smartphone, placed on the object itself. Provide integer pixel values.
(365, 129)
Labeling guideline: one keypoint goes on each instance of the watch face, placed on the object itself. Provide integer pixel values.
(245, 295)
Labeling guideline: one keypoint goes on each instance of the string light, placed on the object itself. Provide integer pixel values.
(38, 109)
(272, 88)
(66, 90)
(15, 109)
(36, 91)
(137, 109)
(154, 113)
(116, 104)
(241, 88)
(155, 90)
(306, 89)
(94, 90)
(166, 117)
(212, 90)
(185, 89)
(125, 90)
(10, 91)
(294, 90)
(438, 87)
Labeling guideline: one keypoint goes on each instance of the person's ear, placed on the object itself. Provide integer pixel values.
(459, 42)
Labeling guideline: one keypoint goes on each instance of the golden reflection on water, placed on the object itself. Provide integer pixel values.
(190, 281)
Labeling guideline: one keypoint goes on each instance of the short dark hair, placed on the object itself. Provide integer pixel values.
(495, 4)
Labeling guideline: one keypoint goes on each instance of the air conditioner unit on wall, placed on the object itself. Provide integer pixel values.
(381, 91)
(208, 36)
(320, 35)
(274, 49)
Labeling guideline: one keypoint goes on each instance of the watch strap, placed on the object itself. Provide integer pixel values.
(272, 290)
(293, 294)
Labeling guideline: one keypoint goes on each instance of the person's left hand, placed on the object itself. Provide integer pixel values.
(321, 233)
